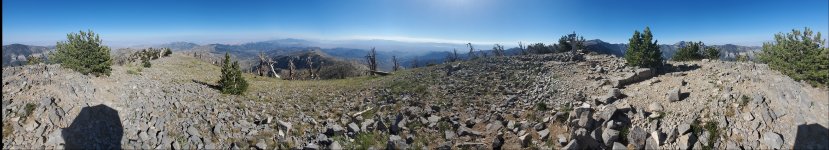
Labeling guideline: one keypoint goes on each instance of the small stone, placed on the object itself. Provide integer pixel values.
(655, 107)
(674, 94)
(772, 140)
(335, 146)
(573, 145)
(311, 146)
(619, 146)
(261, 144)
(637, 137)
(285, 126)
(684, 141)
(672, 135)
(684, 128)
(747, 116)
(525, 140)
(353, 127)
(610, 136)
(193, 131)
(543, 134)
(449, 135)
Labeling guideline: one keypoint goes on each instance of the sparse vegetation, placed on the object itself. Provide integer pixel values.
(800, 55)
(713, 135)
(623, 134)
(741, 58)
(30, 107)
(541, 106)
(641, 52)
(31, 60)
(232, 81)
(84, 52)
(366, 140)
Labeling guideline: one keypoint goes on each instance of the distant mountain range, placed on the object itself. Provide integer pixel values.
(727, 51)
(15, 54)
(356, 50)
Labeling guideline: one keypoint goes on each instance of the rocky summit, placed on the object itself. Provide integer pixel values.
(550, 101)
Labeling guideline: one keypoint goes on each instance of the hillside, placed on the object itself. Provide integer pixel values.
(15, 54)
(536, 101)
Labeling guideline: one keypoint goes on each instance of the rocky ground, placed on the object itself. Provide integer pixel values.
(561, 101)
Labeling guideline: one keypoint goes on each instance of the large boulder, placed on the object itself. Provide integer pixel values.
(637, 137)
(395, 142)
(610, 136)
(639, 75)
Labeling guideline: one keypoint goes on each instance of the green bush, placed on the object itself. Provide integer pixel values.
(232, 81)
(31, 60)
(167, 52)
(642, 52)
(800, 55)
(83, 52)
(146, 63)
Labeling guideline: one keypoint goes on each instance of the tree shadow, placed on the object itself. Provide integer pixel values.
(216, 87)
(670, 68)
(812, 136)
(96, 127)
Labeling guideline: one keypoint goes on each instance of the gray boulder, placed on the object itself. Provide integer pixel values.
(674, 94)
(610, 136)
(637, 137)
(353, 127)
(573, 145)
(772, 140)
(655, 107)
(395, 142)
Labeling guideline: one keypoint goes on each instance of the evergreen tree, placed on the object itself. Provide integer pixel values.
(167, 52)
(232, 81)
(569, 42)
(712, 53)
(642, 52)
(800, 55)
(83, 52)
(691, 51)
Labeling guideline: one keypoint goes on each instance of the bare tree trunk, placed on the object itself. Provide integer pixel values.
(396, 63)
(372, 61)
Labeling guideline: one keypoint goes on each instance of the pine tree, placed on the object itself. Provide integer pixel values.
(712, 53)
(83, 52)
(800, 55)
(642, 52)
(691, 51)
(232, 81)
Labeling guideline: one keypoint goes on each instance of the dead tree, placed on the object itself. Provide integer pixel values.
(396, 63)
(309, 61)
(271, 64)
(262, 62)
(471, 51)
(521, 46)
(372, 61)
(498, 50)
(414, 62)
(452, 57)
(291, 68)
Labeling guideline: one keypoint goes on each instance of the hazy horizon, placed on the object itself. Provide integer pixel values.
(127, 24)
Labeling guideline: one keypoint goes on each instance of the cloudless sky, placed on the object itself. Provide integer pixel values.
(132, 22)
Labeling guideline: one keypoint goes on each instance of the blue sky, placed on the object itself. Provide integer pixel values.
(124, 22)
